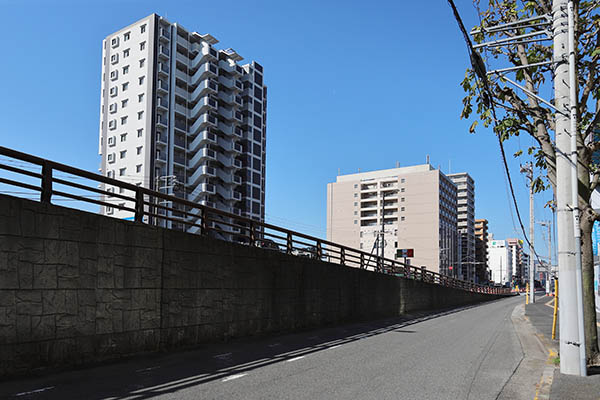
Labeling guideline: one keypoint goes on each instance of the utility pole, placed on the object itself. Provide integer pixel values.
(571, 345)
(528, 169)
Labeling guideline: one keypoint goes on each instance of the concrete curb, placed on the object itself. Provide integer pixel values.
(532, 378)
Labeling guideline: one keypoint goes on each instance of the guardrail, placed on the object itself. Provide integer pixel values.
(53, 180)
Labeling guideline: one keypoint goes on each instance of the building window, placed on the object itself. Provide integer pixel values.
(125, 86)
(139, 150)
(109, 210)
(355, 186)
(143, 28)
(402, 199)
(355, 194)
(402, 190)
(113, 91)
(126, 69)
(355, 212)
(141, 80)
(122, 171)
(355, 203)
(112, 108)
(142, 45)
(125, 53)
(123, 137)
(114, 59)
(110, 174)
(126, 36)
(355, 222)
(140, 114)
(401, 208)
(122, 154)
(401, 218)
(114, 75)
(112, 141)
(112, 124)
(123, 120)
(402, 180)
(142, 62)
(138, 168)
(140, 97)
(140, 132)
(111, 158)
(124, 103)
(114, 42)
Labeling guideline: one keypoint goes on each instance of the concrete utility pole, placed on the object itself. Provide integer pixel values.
(528, 169)
(548, 225)
(571, 360)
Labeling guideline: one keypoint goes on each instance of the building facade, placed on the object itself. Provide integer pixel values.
(416, 205)
(516, 247)
(481, 252)
(182, 117)
(465, 187)
(500, 261)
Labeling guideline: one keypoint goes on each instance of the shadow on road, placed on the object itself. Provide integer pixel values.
(145, 377)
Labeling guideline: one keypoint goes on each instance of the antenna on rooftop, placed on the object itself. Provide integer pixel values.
(427, 159)
(397, 164)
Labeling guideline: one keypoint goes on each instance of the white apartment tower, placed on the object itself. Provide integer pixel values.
(465, 187)
(182, 117)
(416, 206)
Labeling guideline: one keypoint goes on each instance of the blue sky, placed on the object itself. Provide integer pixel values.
(352, 84)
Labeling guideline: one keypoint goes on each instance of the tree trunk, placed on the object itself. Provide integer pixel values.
(587, 275)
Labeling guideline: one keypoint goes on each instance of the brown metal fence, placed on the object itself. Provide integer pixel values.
(54, 181)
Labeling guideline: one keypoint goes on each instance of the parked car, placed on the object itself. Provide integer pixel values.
(267, 244)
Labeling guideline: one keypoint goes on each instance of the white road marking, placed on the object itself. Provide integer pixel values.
(294, 359)
(333, 347)
(232, 377)
(34, 391)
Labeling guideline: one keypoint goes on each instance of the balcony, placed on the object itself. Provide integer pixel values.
(236, 195)
(162, 86)
(164, 52)
(228, 83)
(205, 87)
(202, 139)
(162, 104)
(163, 70)
(226, 97)
(181, 109)
(205, 71)
(225, 113)
(164, 34)
(161, 121)
(203, 105)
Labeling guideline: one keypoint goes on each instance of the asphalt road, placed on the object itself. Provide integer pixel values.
(462, 354)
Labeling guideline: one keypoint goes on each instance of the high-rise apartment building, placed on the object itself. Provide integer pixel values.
(500, 259)
(516, 247)
(182, 117)
(481, 253)
(416, 205)
(465, 192)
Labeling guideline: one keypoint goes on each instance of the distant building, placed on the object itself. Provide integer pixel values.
(516, 246)
(525, 267)
(481, 251)
(418, 212)
(465, 192)
(500, 261)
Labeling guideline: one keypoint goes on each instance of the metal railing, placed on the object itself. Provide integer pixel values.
(53, 180)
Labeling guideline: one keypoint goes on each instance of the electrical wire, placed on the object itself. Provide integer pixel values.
(479, 68)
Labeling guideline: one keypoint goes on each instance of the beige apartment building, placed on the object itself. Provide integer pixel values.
(416, 206)
(481, 252)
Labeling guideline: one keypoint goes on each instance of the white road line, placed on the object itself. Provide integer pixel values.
(294, 359)
(333, 347)
(34, 391)
(232, 377)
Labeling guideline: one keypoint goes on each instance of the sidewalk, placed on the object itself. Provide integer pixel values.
(564, 387)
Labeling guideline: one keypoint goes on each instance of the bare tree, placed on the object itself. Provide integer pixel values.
(519, 112)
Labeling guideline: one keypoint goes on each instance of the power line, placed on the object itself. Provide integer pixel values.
(479, 68)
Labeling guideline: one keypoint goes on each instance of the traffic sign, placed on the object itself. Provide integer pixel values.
(405, 253)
